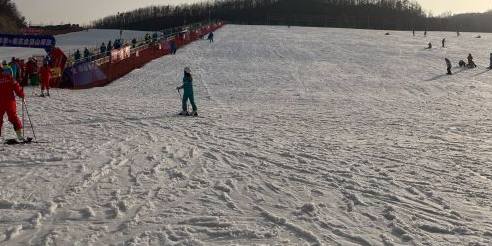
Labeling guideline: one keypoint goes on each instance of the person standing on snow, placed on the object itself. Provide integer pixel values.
(7, 102)
(471, 64)
(87, 54)
(109, 48)
(173, 48)
(32, 71)
(7, 69)
(15, 68)
(102, 50)
(490, 67)
(448, 64)
(443, 42)
(211, 37)
(188, 93)
(45, 73)
(76, 56)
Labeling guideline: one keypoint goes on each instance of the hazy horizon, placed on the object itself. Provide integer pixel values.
(83, 12)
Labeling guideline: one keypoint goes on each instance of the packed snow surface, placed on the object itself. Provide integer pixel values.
(306, 136)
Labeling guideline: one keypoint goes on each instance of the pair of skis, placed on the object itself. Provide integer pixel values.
(188, 113)
(14, 141)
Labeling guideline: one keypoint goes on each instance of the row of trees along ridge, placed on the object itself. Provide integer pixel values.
(371, 14)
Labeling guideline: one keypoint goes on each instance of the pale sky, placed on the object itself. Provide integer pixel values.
(83, 11)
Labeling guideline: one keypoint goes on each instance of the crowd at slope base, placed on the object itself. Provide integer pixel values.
(35, 71)
(14, 75)
(104, 50)
(17, 73)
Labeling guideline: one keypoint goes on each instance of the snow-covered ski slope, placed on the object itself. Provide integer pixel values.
(307, 136)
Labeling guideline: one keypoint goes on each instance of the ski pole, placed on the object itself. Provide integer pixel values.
(187, 110)
(180, 95)
(23, 121)
(29, 118)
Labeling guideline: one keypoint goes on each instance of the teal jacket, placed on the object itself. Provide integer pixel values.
(8, 70)
(188, 84)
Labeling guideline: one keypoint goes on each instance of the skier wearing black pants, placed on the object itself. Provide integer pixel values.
(448, 64)
(188, 93)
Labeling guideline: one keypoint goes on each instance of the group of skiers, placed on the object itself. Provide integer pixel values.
(29, 73)
(461, 63)
(10, 74)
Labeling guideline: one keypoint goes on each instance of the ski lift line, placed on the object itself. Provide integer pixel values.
(98, 54)
(163, 34)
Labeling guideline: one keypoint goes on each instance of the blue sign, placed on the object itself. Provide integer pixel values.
(27, 41)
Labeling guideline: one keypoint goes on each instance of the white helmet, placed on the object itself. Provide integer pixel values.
(187, 70)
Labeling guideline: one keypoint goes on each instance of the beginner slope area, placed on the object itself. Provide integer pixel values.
(306, 136)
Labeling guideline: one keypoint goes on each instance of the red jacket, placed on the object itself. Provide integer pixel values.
(31, 67)
(22, 67)
(45, 73)
(7, 88)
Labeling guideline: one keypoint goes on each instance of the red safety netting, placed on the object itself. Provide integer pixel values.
(103, 71)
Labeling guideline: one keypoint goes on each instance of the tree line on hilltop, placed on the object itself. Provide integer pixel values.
(343, 13)
(10, 18)
(367, 14)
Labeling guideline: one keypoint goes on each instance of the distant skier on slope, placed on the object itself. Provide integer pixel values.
(429, 45)
(462, 63)
(188, 93)
(443, 42)
(7, 102)
(490, 66)
(45, 74)
(211, 37)
(448, 64)
(172, 46)
(470, 64)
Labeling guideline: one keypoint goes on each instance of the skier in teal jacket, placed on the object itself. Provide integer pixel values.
(188, 93)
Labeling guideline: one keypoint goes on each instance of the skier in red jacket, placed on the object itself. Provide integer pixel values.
(7, 102)
(470, 64)
(32, 71)
(45, 74)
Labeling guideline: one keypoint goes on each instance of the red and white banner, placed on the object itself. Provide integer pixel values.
(120, 54)
(32, 31)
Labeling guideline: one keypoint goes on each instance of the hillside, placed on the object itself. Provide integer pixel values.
(10, 19)
(379, 14)
(307, 136)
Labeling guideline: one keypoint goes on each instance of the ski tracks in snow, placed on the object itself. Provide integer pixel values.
(298, 144)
